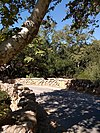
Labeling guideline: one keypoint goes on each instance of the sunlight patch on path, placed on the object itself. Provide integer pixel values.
(42, 89)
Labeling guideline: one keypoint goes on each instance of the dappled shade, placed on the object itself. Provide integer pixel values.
(72, 111)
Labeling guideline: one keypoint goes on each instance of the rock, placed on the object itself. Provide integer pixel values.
(27, 115)
(23, 128)
(85, 86)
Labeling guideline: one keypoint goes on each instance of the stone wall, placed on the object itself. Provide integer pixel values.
(86, 86)
(53, 82)
(76, 84)
(27, 115)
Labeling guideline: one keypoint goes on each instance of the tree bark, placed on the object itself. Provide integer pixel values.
(12, 46)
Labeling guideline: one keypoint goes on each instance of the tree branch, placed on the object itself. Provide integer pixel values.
(12, 46)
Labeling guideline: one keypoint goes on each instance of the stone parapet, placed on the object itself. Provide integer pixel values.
(27, 115)
(53, 82)
(62, 83)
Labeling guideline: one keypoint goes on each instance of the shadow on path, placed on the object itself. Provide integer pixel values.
(74, 112)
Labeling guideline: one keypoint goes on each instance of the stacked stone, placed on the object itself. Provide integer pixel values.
(28, 115)
(85, 86)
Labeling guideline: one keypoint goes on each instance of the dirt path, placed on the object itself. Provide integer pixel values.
(70, 111)
(42, 89)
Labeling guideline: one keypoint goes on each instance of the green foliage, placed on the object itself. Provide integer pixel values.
(4, 106)
(10, 10)
(81, 11)
(58, 54)
(7, 33)
(4, 96)
(92, 70)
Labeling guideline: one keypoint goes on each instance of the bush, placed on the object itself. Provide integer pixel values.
(4, 107)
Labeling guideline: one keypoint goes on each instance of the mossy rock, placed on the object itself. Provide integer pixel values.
(4, 107)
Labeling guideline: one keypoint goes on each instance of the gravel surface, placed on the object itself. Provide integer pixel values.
(70, 111)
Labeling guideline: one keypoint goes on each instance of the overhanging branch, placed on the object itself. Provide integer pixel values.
(12, 46)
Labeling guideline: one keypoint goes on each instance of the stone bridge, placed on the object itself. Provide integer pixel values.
(52, 82)
(82, 85)
(68, 111)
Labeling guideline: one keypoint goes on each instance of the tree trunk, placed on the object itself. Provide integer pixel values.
(12, 46)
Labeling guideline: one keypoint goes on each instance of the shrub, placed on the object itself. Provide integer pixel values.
(4, 107)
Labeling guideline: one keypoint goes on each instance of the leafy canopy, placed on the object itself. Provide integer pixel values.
(79, 10)
(10, 10)
(83, 12)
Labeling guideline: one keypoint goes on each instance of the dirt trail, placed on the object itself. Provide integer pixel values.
(70, 111)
